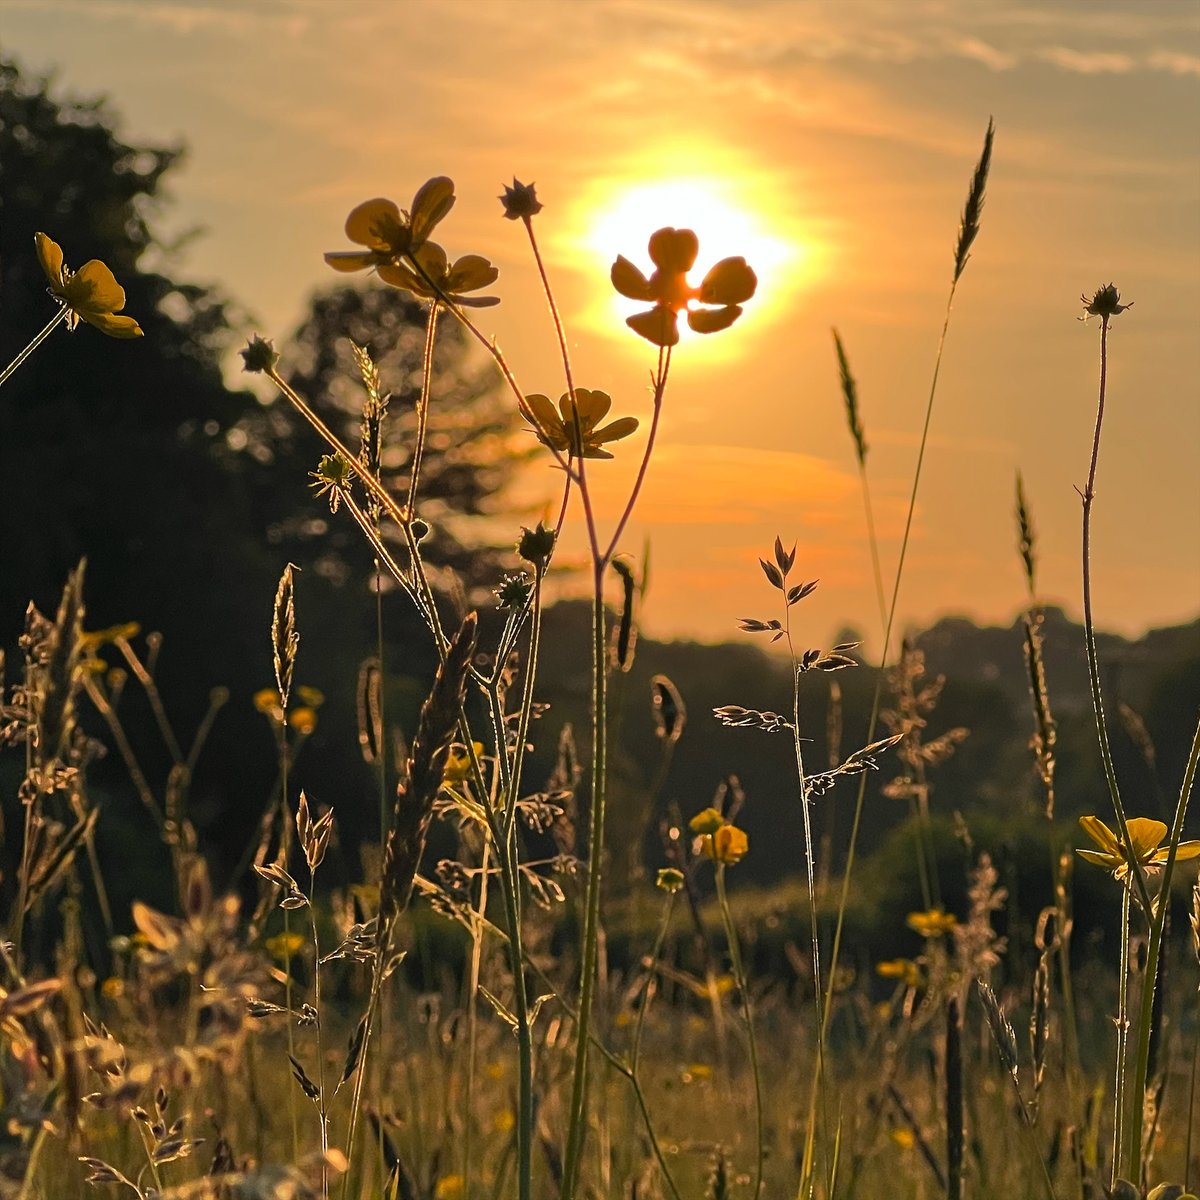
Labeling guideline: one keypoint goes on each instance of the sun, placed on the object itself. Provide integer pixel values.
(619, 219)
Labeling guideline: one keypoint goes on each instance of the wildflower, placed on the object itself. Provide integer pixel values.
(900, 968)
(706, 822)
(669, 880)
(697, 1073)
(388, 233)
(575, 430)
(450, 1187)
(303, 720)
(536, 545)
(259, 355)
(91, 294)
(673, 251)
(458, 763)
(1105, 302)
(513, 590)
(903, 1138)
(728, 845)
(520, 201)
(932, 924)
(433, 277)
(113, 988)
(284, 945)
(1146, 836)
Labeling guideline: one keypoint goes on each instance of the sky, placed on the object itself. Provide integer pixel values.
(829, 142)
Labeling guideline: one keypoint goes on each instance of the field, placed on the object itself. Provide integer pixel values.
(527, 969)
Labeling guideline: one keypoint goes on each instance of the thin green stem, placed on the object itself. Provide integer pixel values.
(1088, 495)
(1122, 1041)
(739, 975)
(660, 387)
(370, 482)
(859, 803)
(635, 1051)
(423, 405)
(1137, 1092)
(591, 926)
(47, 330)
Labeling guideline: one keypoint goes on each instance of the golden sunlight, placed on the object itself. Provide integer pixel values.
(618, 219)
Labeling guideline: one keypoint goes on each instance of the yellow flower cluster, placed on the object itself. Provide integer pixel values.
(720, 840)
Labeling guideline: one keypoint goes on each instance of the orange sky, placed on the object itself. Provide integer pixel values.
(839, 137)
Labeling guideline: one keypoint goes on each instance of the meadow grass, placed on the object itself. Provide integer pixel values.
(480, 1042)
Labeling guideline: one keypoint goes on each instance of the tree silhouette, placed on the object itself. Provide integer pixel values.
(471, 448)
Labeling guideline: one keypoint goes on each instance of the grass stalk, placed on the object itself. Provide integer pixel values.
(739, 976)
(1137, 1087)
(968, 231)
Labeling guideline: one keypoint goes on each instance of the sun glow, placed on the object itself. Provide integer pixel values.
(619, 219)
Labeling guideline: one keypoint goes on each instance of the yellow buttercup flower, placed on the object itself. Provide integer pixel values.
(728, 845)
(450, 1187)
(707, 821)
(574, 431)
(900, 968)
(673, 251)
(387, 233)
(1145, 836)
(90, 294)
(284, 945)
(439, 279)
(458, 763)
(932, 924)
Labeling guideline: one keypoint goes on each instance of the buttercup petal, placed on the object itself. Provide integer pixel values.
(628, 280)
(50, 255)
(114, 326)
(431, 258)
(476, 301)
(658, 325)
(470, 272)
(731, 281)
(95, 287)
(1185, 851)
(1106, 861)
(546, 420)
(622, 427)
(1101, 835)
(591, 405)
(710, 320)
(398, 275)
(674, 250)
(350, 260)
(1145, 836)
(432, 202)
(377, 224)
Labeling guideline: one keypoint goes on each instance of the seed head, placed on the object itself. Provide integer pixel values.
(520, 201)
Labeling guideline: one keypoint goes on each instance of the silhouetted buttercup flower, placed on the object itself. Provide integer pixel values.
(1145, 836)
(1105, 302)
(90, 294)
(387, 232)
(520, 201)
(439, 279)
(673, 251)
(574, 431)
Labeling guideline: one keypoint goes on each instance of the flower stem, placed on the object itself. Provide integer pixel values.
(739, 975)
(1137, 1092)
(591, 925)
(59, 316)
(1088, 495)
(423, 405)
